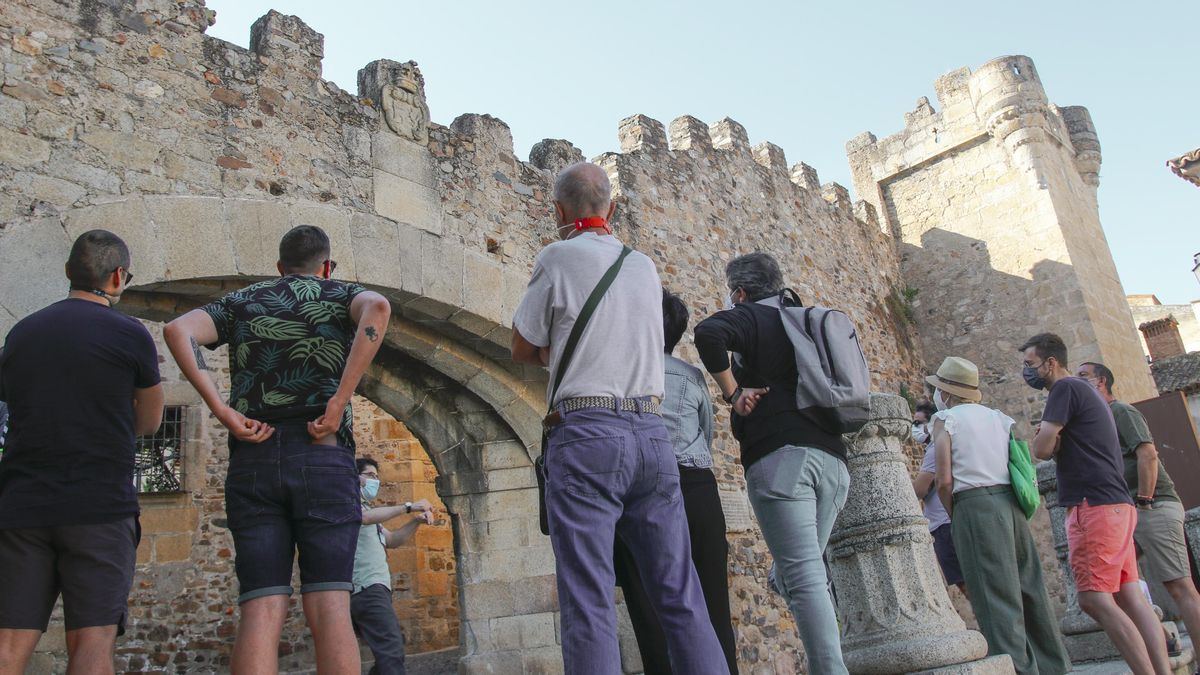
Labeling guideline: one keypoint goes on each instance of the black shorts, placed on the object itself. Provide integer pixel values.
(90, 565)
(947, 557)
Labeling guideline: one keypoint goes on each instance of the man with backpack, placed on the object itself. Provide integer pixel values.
(593, 314)
(794, 457)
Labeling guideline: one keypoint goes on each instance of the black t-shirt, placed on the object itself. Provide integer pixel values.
(1088, 463)
(68, 374)
(767, 359)
(288, 339)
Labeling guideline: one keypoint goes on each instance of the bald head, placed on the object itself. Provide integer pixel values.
(582, 191)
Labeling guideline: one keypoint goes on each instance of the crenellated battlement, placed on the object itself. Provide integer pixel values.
(1002, 100)
(726, 141)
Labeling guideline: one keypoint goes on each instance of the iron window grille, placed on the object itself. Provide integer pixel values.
(158, 466)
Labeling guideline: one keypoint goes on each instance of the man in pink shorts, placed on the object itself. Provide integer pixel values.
(1078, 431)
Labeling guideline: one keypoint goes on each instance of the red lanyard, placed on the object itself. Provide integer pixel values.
(592, 223)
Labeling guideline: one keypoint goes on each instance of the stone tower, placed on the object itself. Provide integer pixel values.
(992, 201)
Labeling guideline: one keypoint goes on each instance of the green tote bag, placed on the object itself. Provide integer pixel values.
(1023, 475)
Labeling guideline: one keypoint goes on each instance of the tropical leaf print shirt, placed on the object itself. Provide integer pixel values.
(288, 343)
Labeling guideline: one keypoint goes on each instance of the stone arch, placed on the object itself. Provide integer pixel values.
(443, 370)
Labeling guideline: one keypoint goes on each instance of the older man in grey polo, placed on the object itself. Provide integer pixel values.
(610, 463)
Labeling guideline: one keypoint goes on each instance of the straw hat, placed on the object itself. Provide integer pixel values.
(957, 376)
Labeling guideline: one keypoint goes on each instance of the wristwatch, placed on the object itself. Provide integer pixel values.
(408, 507)
(734, 396)
(1143, 501)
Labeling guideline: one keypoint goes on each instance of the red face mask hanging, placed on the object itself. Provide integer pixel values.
(592, 223)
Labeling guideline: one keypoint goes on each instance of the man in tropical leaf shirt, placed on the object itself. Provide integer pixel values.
(298, 347)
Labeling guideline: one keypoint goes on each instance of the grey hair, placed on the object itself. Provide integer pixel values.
(755, 273)
(583, 190)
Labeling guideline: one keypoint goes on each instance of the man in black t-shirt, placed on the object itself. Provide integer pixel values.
(298, 347)
(1078, 431)
(81, 381)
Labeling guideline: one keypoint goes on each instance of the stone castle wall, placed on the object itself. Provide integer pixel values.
(200, 154)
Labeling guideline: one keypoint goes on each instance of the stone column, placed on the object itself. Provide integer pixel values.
(896, 615)
(1191, 528)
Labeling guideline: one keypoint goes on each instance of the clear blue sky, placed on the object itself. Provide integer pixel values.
(805, 76)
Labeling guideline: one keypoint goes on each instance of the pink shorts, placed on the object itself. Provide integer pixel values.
(1100, 546)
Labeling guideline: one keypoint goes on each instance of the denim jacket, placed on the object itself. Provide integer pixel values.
(688, 413)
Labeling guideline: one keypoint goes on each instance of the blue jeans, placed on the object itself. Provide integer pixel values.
(613, 473)
(286, 494)
(797, 494)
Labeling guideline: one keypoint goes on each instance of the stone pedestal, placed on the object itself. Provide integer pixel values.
(1191, 528)
(896, 614)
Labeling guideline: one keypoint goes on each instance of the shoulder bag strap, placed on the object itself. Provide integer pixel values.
(581, 321)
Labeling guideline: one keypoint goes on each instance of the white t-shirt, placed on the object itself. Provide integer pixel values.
(979, 445)
(621, 351)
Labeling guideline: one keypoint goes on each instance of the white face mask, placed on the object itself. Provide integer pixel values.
(920, 433)
(729, 300)
(938, 400)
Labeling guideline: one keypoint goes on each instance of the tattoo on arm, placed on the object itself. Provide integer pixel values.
(371, 333)
(199, 357)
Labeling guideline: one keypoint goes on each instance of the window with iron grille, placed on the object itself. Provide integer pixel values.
(159, 463)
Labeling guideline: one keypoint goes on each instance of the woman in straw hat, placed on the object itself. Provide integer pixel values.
(998, 556)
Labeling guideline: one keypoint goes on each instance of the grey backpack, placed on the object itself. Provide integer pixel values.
(833, 373)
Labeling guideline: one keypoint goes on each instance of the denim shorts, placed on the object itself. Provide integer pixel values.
(284, 495)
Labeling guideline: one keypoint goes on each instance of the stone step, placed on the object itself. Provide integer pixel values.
(1184, 664)
(442, 662)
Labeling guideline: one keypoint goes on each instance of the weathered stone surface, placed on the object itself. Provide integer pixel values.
(199, 245)
(554, 155)
(38, 259)
(991, 665)
(49, 189)
(18, 149)
(892, 622)
(53, 125)
(122, 149)
(407, 201)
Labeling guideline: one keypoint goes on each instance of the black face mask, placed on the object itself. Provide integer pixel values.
(1030, 373)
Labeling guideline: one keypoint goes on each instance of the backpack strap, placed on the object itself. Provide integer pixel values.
(787, 292)
(585, 314)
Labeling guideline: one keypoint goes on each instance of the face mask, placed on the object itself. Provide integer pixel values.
(729, 301)
(920, 434)
(938, 400)
(370, 488)
(1032, 378)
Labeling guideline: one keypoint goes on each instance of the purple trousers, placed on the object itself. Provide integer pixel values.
(613, 473)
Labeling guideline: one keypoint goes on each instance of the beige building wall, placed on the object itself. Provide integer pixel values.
(1147, 308)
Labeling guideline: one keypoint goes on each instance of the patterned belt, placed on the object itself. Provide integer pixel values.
(651, 405)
